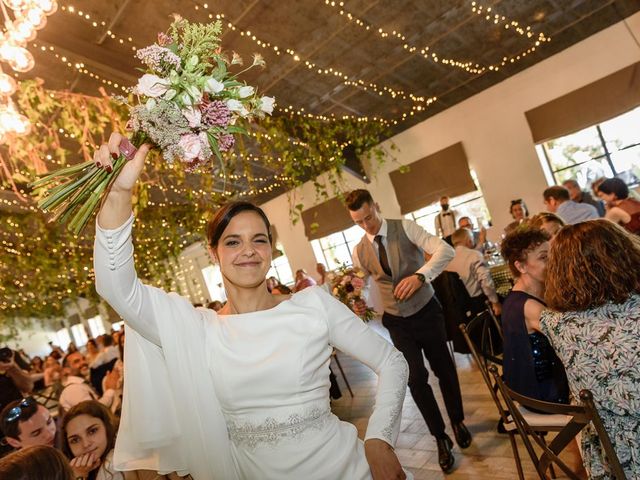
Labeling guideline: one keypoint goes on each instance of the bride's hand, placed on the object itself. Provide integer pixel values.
(129, 174)
(382, 460)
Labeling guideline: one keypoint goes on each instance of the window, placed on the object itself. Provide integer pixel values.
(608, 149)
(96, 326)
(468, 205)
(62, 338)
(213, 280)
(336, 249)
(79, 334)
(116, 327)
(281, 269)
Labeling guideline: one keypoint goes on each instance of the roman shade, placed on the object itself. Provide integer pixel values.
(327, 218)
(445, 172)
(601, 100)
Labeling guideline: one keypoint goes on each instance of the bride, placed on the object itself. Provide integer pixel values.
(243, 393)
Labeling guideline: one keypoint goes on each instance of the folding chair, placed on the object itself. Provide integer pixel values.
(488, 354)
(48, 398)
(578, 417)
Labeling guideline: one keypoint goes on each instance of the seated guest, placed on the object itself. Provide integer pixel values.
(89, 438)
(92, 351)
(470, 266)
(274, 286)
(216, 305)
(479, 236)
(557, 201)
(25, 423)
(108, 352)
(581, 196)
(52, 371)
(323, 277)
(36, 463)
(622, 209)
(303, 280)
(519, 212)
(75, 386)
(595, 332)
(547, 222)
(531, 367)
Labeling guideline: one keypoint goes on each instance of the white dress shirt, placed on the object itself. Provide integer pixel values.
(445, 223)
(469, 264)
(77, 390)
(441, 253)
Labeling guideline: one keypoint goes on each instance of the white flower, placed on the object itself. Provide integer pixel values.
(186, 99)
(150, 105)
(195, 93)
(170, 94)
(151, 85)
(266, 104)
(193, 116)
(213, 86)
(191, 146)
(237, 106)
(244, 92)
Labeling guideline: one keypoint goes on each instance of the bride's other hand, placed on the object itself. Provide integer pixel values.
(383, 462)
(129, 174)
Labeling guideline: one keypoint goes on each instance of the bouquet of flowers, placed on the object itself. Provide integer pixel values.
(346, 285)
(186, 104)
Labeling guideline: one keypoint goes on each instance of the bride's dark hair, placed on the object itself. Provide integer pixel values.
(221, 219)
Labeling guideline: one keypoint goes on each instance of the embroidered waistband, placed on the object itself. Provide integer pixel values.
(271, 430)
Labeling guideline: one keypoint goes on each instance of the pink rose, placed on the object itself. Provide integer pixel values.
(191, 146)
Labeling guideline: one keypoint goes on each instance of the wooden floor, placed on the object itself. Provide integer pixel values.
(488, 458)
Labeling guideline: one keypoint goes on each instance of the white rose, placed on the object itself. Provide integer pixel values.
(151, 85)
(191, 146)
(213, 86)
(266, 104)
(193, 116)
(244, 92)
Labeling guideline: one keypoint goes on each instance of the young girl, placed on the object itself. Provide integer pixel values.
(89, 438)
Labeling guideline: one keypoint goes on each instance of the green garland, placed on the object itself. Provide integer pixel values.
(42, 265)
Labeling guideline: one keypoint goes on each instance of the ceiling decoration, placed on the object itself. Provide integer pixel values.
(343, 73)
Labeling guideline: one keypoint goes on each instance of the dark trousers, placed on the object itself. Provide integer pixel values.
(424, 331)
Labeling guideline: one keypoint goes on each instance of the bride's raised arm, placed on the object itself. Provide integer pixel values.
(116, 279)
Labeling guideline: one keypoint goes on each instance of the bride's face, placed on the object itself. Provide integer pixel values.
(244, 251)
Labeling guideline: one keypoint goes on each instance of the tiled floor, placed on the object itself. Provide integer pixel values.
(488, 458)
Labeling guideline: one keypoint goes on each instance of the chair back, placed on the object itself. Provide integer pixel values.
(477, 334)
(579, 416)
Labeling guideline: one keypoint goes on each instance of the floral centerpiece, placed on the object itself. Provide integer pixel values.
(187, 104)
(347, 284)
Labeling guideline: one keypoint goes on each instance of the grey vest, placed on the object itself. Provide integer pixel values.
(405, 258)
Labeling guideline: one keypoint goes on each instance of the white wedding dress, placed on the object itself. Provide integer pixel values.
(240, 396)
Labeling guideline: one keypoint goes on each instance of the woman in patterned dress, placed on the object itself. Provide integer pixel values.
(593, 285)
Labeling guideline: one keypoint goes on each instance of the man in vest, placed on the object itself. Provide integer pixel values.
(392, 253)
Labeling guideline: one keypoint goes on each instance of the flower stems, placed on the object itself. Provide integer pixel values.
(78, 190)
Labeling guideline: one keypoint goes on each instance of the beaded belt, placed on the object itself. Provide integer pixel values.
(271, 431)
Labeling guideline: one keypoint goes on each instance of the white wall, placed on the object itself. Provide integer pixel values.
(493, 130)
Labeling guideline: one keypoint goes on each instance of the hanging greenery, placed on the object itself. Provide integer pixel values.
(42, 265)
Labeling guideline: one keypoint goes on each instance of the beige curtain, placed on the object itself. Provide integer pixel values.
(445, 172)
(327, 218)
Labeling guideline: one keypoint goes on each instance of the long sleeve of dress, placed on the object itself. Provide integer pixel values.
(117, 282)
(350, 335)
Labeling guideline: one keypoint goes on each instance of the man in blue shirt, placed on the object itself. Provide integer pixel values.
(557, 201)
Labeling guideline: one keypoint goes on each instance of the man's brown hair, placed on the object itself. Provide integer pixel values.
(357, 198)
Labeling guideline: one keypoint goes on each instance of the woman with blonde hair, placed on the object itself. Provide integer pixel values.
(593, 285)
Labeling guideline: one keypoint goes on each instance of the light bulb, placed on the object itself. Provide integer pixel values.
(8, 85)
(34, 15)
(16, 4)
(22, 31)
(49, 7)
(21, 60)
(22, 125)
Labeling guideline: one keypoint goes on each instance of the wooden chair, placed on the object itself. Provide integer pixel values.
(486, 351)
(334, 355)
(578, 417)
